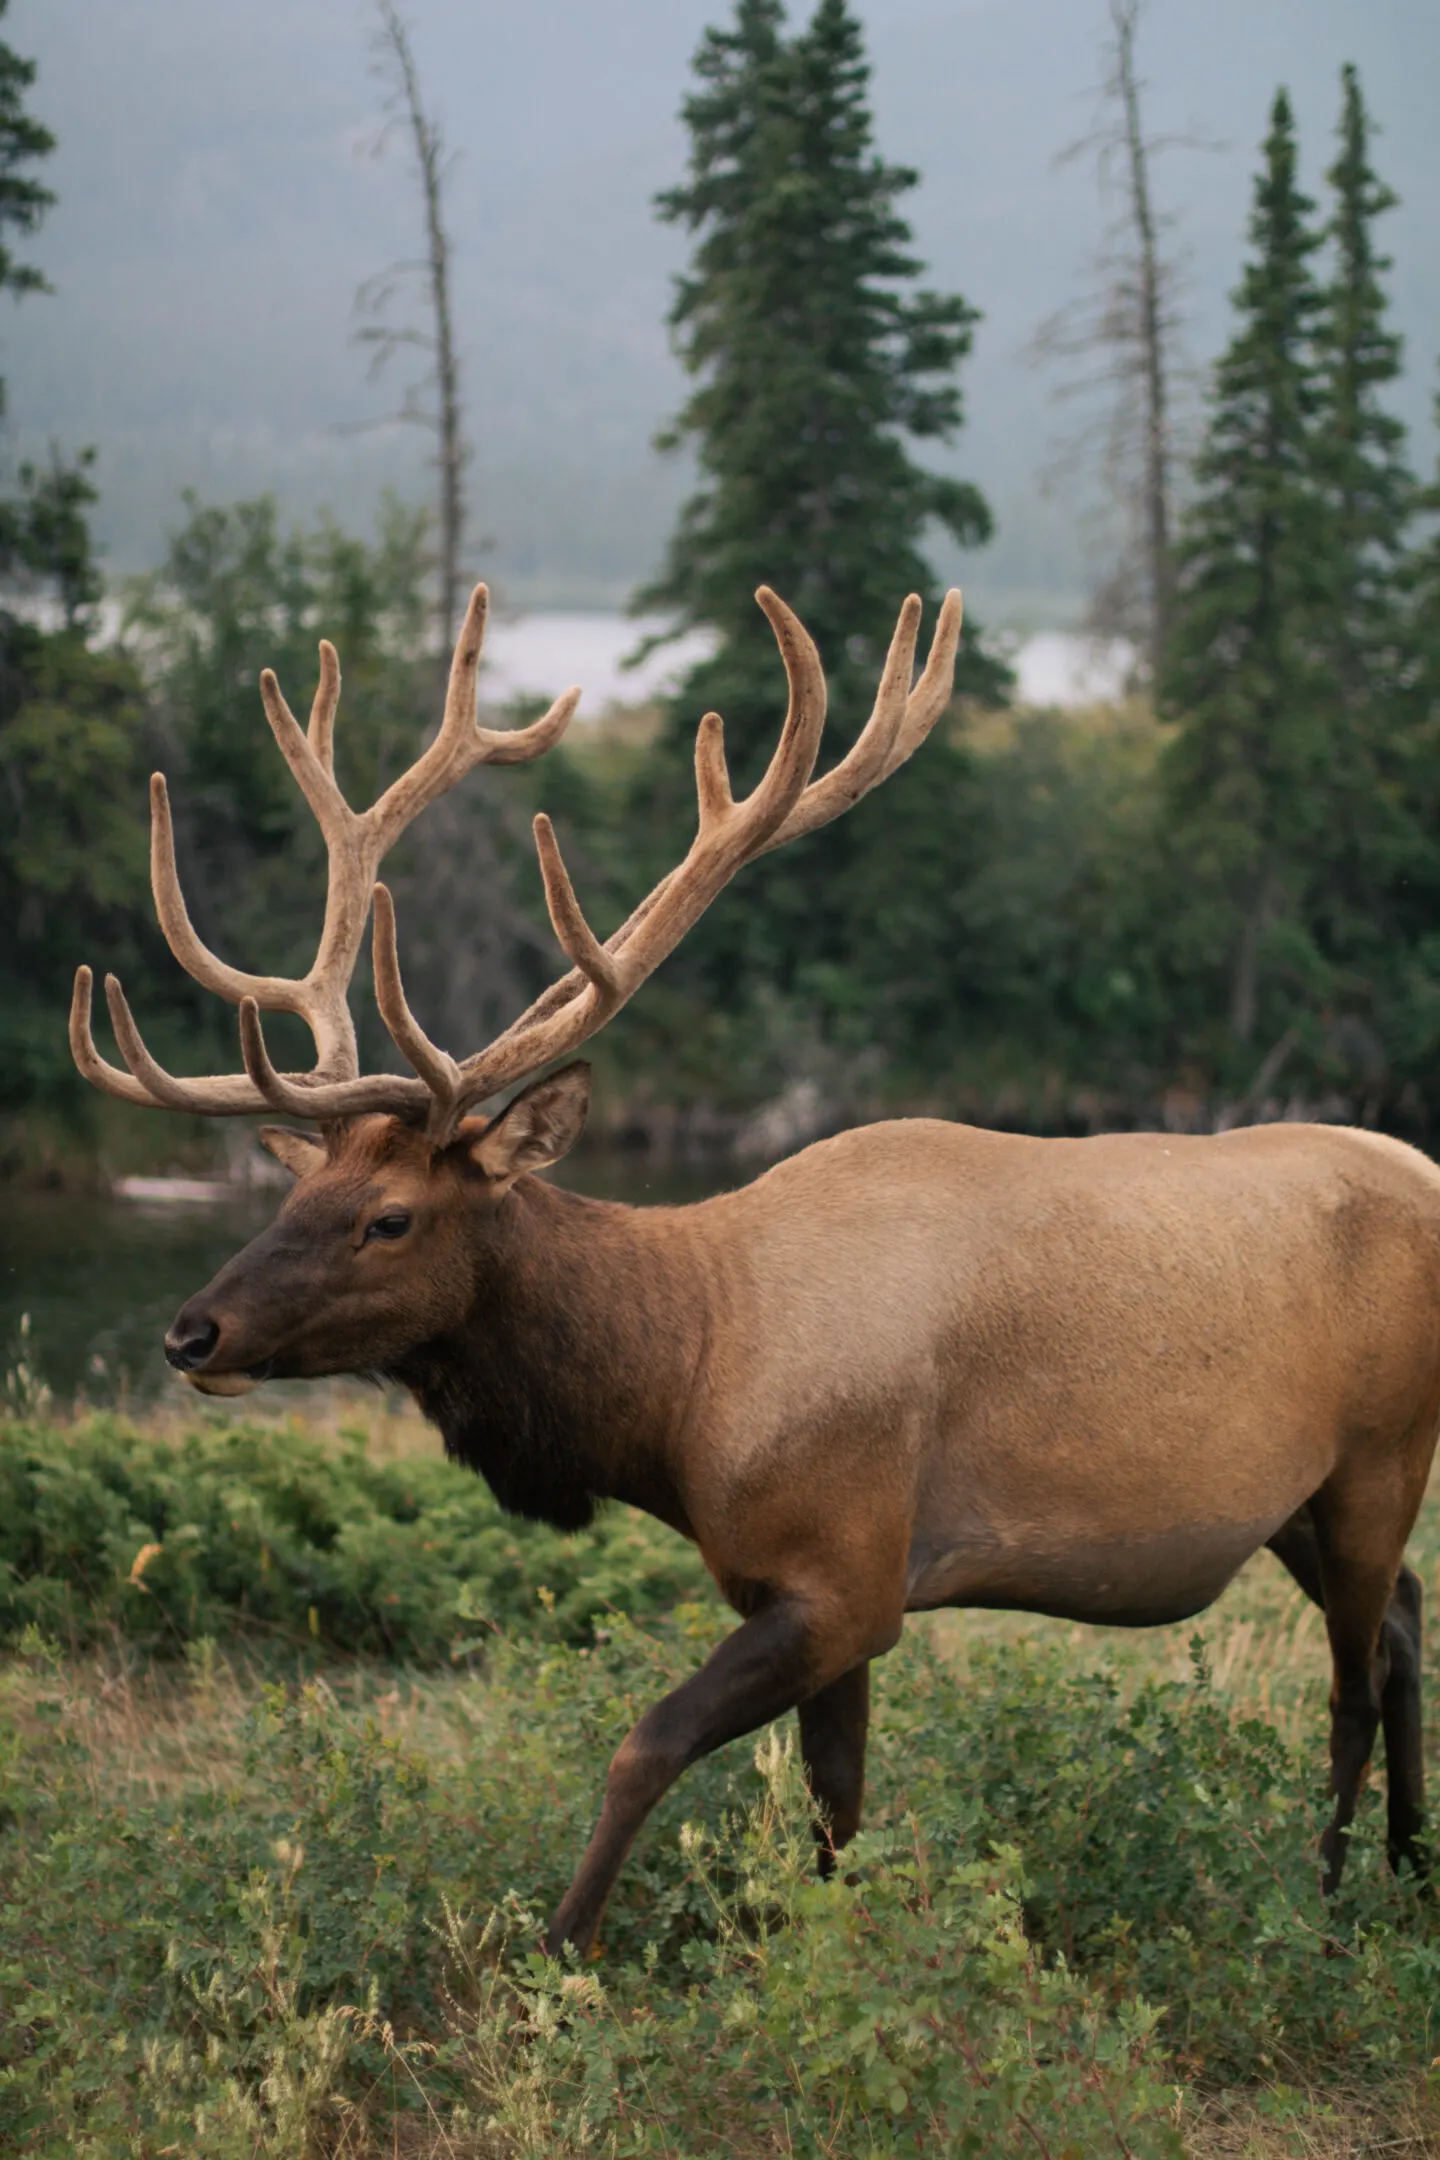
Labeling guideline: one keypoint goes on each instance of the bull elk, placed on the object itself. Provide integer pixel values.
(917, 1365)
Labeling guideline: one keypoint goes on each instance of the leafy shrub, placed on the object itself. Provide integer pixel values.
(899, 2011)
(272, 1532)
(1075, 1901)
(1170, 1849)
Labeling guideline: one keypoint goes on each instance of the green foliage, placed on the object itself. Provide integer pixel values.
(1300, 790)
(1359, 443)
(901, 2011)
(1078, 1898)
(104, 1532)
(1247, 778)
(23, 140)
(75, 746)
(816, 363)
(819, 363)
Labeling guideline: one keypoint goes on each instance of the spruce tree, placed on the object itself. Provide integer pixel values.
(23, 200)
(1375, 854)
(817, 362)
(1246, 773)
(1360, 445)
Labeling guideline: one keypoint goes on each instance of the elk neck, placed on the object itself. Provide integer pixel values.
(568, 1381)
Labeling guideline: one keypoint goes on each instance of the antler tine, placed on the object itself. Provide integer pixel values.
(769, 803)
(275, 992)
(321, 731)
(898, 724)
(311, 760)
(729, 834)
(461, 742)
(435, 1066)
(96, 1069)
(932, 693)
(712, 774)
(224, 1095)
(577, 940)
(308, 1098)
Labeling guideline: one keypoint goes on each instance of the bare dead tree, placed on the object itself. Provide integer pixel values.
(1130, 318)
(433, 401)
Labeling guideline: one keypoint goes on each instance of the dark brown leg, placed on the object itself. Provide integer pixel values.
(1400, 1713)
(833, 1726)
(1372, 1615)
(775, 1661)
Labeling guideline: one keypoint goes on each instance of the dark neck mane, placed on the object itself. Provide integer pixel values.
(570, 1376)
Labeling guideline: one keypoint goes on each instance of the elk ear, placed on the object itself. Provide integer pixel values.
(298, 1151)
(540, 1126)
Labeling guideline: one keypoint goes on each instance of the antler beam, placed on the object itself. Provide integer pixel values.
(786, 804)
(356, 842)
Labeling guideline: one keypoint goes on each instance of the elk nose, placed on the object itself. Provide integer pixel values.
(190, 1342)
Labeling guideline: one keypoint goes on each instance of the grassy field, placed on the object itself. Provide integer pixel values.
(299, 1740)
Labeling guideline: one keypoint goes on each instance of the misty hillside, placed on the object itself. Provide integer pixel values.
(218, 210)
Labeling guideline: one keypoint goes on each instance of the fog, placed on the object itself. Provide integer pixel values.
(219, 206)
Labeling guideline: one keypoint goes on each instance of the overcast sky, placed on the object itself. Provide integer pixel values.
(218, 210)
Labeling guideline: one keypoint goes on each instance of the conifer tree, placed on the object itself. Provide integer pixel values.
(1375, 853)
(23, 200)
(1247, 771)
(816, 364)
(819, 361)
(1360, 445)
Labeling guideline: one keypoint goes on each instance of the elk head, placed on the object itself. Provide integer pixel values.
(375, 1250)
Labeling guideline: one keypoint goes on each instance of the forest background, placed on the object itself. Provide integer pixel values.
(1214, 899)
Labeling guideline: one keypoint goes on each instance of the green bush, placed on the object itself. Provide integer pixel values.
(270, 1532)
(1075, 1904)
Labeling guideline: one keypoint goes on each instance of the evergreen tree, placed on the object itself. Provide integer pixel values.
(816, 364)
(819, 361)
(1360, 445)
(1247, 773)
(23, 201)
(1375, 858)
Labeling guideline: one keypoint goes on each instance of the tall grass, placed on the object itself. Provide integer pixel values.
(260, 1898)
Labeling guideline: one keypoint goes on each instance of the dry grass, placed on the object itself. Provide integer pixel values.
(151, 1731)
(1326, 2125)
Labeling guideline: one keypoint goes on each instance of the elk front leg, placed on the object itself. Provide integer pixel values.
(833, 1728)
(777, 1659)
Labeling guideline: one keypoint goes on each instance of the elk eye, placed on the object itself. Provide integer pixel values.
(393, 1225)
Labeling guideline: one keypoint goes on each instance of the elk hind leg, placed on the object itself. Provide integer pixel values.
(833, 1728)
(1400, 1659)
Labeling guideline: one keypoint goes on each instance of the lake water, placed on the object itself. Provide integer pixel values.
(102, 1279)
(543, 654)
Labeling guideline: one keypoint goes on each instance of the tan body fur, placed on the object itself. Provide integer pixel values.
(1087, 1378)
(914, 1366)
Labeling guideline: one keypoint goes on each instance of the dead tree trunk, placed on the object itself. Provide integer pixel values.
(1150, 326)
(1128, 321)
(444, 415)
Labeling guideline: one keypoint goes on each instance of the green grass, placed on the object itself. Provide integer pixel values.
(264, 1898)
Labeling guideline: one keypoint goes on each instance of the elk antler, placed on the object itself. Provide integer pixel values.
(785, 805)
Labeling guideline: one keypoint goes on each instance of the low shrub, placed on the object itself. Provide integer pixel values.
(104, 1529)
(1078, 1904)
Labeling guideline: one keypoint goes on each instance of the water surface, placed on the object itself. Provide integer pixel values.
(102, 1279)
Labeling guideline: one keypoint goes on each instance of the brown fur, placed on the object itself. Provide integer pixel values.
(916, 1365)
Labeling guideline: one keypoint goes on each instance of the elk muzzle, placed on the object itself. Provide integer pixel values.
(192, 1343)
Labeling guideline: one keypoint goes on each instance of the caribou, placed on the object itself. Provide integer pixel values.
(915, 1365)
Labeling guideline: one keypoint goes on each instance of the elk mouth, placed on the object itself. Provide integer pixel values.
(229, 1383)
